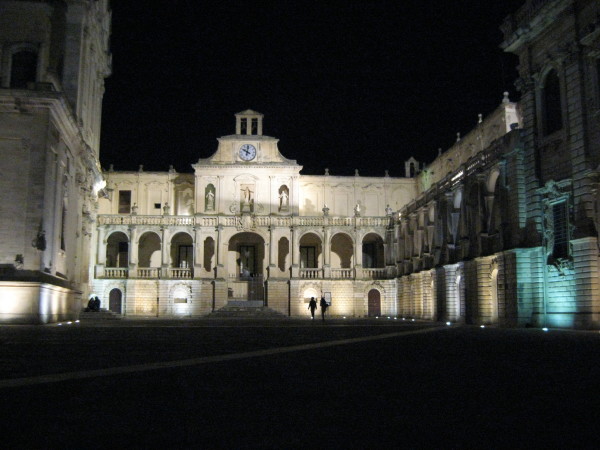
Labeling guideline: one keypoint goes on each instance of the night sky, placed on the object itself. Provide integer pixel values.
(342, 84)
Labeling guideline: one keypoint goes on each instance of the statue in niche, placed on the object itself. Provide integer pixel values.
(246, 198)
(209, 198)
(283, 198)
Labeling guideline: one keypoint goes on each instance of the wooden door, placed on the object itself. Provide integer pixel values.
(374, 303)
(114, 301)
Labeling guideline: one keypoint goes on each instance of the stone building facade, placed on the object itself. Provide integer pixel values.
(53, 60)
(247, 226)
(510, 234)
(502, 228)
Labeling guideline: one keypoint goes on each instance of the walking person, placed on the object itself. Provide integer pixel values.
(312, 305)
(324, 306)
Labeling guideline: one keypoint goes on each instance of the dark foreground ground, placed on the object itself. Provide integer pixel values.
(448, 387)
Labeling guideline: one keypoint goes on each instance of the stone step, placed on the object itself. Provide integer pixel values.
(245, 311)
(103, 314)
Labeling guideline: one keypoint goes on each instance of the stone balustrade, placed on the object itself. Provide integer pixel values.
(233, 221)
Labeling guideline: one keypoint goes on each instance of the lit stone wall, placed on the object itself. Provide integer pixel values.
(30, 302)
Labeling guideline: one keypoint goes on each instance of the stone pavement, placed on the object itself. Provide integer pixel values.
(360, 383)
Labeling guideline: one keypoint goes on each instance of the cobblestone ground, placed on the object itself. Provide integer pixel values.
(344, 384)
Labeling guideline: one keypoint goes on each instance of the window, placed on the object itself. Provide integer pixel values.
(63, 226)
(23, 69)
(157, 206)
(254, 126)
(124, 202)
(552, 107)
(244, 126)
(308, 257)
(561, 230)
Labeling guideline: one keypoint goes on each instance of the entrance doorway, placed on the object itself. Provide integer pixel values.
(114, 301)
(247, 266)
(374, 303)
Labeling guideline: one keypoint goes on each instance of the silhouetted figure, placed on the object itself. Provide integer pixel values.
(324, 306)
(90, 306)
(96, 304)
(312, 305)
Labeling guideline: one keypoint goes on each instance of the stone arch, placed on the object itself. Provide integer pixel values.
(180, 299)
(182, 250)
(492, 179)
(117, 249)
(372, 250)
(149, 250)
(342, 250)
(246, 254)
(311, 250)
(110, 287)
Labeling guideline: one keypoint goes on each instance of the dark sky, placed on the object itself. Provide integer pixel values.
(342, 84)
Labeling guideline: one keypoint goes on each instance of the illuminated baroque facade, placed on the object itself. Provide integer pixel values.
(502, 228)
(53, 60)
(247, 226)
(507, 231)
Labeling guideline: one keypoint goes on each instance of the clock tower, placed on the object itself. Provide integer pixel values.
(247, 174)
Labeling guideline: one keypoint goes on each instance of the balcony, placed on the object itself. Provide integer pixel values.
(155, 273)
(149, 273)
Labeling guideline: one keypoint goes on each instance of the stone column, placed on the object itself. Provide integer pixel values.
(165, 250)
(295, 253)
(198, 251)
(326, 253)
(272, 250)
(133, 248)
(358, 255)
(101, 249)
(220, 253)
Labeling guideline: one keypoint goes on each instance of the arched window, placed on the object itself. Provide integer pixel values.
(23, 69)
(552, 107)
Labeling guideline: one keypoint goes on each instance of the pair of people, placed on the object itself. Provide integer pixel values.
(93, 304)
(312, 305)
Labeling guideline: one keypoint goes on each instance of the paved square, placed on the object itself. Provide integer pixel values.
(292, 383)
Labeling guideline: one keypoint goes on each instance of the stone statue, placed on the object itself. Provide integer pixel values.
(210, 200)
(283, 200)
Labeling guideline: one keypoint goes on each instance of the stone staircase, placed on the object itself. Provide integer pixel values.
(246, 309)
(103, 314)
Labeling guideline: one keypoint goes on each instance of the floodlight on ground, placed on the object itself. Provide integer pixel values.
(545, 329)
(481, 326)
(448, 323)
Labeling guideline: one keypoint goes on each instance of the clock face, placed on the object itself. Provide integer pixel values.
(247, 152)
